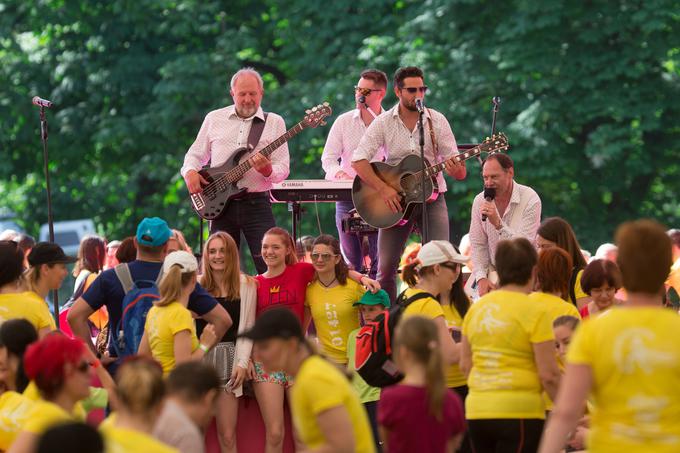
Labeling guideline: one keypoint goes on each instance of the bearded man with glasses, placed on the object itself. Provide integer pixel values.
(397, 132)
(336, 159)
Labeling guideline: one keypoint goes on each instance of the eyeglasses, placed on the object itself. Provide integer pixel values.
(365, 91)
(323, 256)
(414, 90)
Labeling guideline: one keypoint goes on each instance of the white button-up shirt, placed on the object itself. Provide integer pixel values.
(223, 132)
(484, 237)
(389, 130)
(342, 140)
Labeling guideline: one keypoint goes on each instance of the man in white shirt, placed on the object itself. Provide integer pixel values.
(514, 212)
(225, 131)
(397, 130)
(336, 159)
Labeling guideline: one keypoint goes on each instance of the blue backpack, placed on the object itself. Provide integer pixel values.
(139, 298)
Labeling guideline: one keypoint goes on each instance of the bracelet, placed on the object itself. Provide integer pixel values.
(203, 347)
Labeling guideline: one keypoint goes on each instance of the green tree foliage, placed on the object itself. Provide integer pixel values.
(589, 96)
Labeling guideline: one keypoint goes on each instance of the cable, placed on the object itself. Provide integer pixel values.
(318, 219)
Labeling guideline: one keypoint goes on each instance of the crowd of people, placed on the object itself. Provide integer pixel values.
(475, 346)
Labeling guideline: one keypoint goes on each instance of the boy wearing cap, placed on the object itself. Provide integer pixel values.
(370, 306)
(151, 241)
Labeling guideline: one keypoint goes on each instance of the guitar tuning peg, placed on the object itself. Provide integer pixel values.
(322, 122)
(308, 111)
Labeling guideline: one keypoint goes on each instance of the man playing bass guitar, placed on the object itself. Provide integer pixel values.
(223, 133)
(397, 130)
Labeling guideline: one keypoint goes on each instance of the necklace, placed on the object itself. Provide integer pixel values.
(329, 283)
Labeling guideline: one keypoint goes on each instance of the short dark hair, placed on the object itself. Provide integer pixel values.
(405, 72)
(644, 256)
(11, 262)
(192, 380)
(515, 261)
(127, 250)
(15, 336)
(598, 272)
(503, 160)
(74, 437)
(376, 75)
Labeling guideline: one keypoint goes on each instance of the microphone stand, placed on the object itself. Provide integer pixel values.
(50, 220)
(362, 101)
(424, 233)
(496, 100)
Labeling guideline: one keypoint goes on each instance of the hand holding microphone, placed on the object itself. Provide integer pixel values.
(489, 196)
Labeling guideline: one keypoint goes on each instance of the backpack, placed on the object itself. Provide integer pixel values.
(140, 295)
(373, 357)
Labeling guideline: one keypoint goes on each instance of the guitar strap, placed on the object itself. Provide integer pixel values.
(435, 147)
(256, 130)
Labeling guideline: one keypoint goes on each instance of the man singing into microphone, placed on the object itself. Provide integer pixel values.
(514, 211)
(397, 130)
(342, 140)
(225, 131)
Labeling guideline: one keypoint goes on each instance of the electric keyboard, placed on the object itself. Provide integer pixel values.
(311, 190)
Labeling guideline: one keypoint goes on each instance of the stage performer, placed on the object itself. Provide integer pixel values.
(226, 130)
(397, 130)
(342, 140)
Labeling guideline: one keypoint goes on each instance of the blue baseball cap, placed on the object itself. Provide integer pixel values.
(153, 231)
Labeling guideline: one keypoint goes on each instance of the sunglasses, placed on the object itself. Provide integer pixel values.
(323, 256)
(365, 91)
(414, 90)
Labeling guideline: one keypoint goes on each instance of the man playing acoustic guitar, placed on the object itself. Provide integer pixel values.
(225, 131)
(397, 130)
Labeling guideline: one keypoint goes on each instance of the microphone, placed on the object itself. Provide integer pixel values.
(489, 195)
(40, 102)
(419, 105)
(362, 99)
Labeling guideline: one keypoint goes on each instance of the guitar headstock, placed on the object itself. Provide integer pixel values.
(315, 116)
(497, 143)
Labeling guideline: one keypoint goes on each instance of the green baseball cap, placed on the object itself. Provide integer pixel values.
(378, 298)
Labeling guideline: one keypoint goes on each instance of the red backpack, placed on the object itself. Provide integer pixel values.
(373, 358)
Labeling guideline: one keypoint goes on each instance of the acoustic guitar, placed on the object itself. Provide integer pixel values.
(405, 178)
(221, 187)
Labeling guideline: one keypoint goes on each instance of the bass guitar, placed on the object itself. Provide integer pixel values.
(221, 187)
(405, 178)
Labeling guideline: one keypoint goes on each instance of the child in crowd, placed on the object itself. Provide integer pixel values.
(420, 414)
(370, 306)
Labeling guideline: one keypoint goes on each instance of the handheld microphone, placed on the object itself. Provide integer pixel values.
(419, 105)
(489, 195)
(40, 102)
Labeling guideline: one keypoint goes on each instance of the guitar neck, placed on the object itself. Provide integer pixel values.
(237, 172)
(460, 157)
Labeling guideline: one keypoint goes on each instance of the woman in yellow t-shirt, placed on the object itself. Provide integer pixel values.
(140, 390)
(508, 355)
(331, 298)
(434, 271)
(170, 332)
(61, 370)
(556, 232)
(325, 408)
(625, 359)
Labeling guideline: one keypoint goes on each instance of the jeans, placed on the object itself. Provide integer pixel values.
(391, 241)
(252, 215)
(350, 243)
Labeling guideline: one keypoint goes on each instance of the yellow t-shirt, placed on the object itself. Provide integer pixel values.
(123, 440)
(14, 410)
(635, 364)
(32, 393)
(427, 307)
(334, 316)
(44, 415)
(578, 290)
(319, 386)
(27, 305)
(162, 324)
(501, 328)
(555, 306)
(454, 377)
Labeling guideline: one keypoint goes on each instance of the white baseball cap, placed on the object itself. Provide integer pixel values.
(437, 252)
(184, 259)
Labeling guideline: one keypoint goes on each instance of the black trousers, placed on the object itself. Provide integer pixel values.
(505, 435)
(252, 215)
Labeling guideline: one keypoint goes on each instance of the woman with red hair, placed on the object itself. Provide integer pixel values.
(60, 368)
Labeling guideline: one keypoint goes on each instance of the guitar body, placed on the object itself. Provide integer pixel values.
(212, 201)
(370, 205)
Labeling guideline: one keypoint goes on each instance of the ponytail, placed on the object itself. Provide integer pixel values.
(420, 337)
(172, 284)
(409, 274)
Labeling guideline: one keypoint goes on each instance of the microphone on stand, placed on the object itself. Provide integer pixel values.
(489, 195)
(40, 102)
(419, 105)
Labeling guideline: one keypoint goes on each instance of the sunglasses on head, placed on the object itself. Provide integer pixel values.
(414, 90)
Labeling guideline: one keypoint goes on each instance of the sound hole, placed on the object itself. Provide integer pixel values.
(410, 185)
